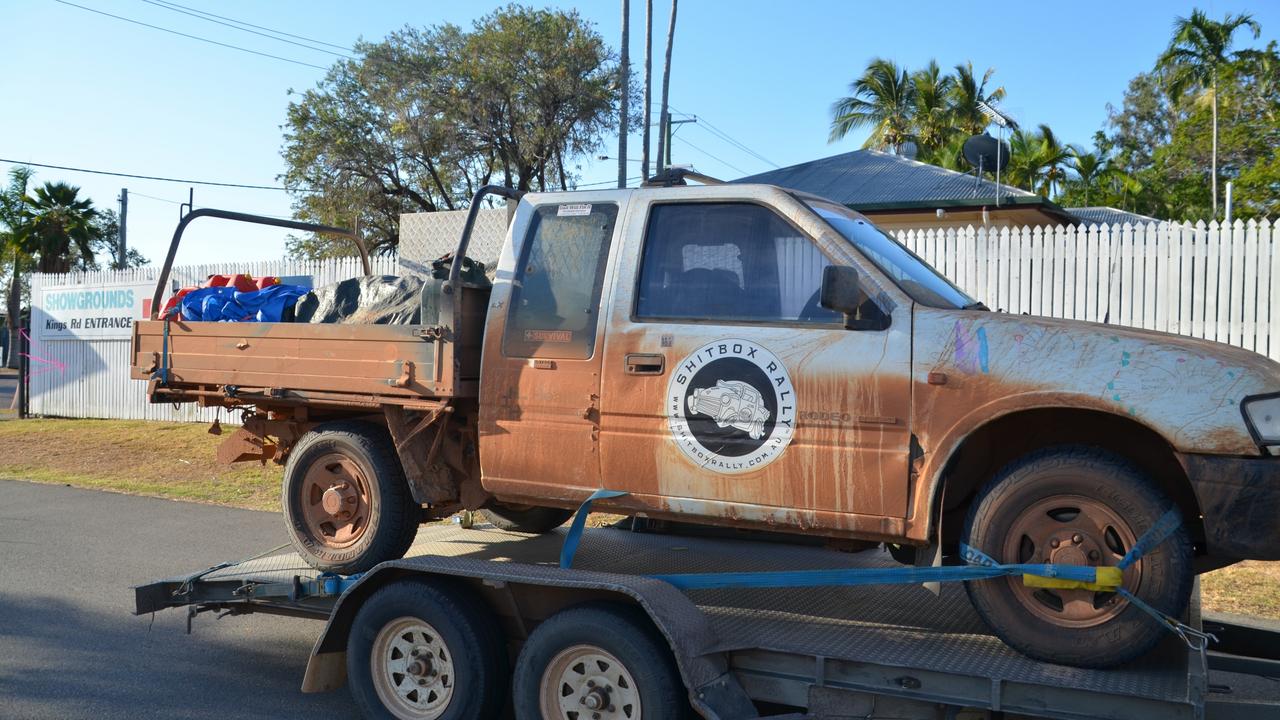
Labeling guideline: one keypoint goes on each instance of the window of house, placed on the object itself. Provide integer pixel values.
(729, 261)
(555, 299)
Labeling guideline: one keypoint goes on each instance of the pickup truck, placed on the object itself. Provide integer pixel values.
(743, 355)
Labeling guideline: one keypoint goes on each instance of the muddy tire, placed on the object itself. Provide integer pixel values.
(346, 503)
(427, 651)
(525, 518)
(601, 658)
(1079, 506)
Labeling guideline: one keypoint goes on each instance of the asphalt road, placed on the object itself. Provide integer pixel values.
(70, 647)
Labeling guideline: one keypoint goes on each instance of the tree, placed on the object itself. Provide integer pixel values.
(1196, 53)
(1091, 169)
(417, 122)
(1037, 160)
(12, 203)
(933, 117)
(966, 92)
(59, 227)
(883, 99)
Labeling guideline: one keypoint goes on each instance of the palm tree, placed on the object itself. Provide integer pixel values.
(1037, 160)
(1090, 169)
(966, 92)
(883, 98)
(1198, 48)
(932, 119)
(58, 226)
(11, 222)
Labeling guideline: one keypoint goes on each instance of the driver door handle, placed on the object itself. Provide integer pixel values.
(646, 364)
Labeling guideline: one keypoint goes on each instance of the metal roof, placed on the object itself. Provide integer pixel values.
(870, 179)
(1102, 215)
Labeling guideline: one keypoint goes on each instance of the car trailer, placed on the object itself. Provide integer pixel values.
(887, 651)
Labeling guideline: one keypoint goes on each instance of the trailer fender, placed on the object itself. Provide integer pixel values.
(534, 592)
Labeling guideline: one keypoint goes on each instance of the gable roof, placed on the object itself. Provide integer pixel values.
(1103, 215)
(869, 180)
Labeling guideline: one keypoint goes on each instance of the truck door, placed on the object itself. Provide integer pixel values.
(728, 391)
(541, 370)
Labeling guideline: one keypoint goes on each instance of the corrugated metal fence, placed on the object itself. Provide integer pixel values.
(90, 377)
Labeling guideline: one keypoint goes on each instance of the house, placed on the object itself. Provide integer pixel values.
(899, 193)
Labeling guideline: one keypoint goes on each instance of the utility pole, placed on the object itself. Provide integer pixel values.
(671, 133)
(664, 117)
(624, 72)
(123, 239)
(648, 87)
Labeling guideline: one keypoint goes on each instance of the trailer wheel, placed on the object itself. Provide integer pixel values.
(602, 661)
(345, 499)
(1076, 506)
(424, 651)
(525, 518)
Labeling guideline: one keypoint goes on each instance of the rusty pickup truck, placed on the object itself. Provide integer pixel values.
(744, 355)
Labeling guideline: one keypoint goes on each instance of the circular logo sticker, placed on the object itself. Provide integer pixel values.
(731, 406)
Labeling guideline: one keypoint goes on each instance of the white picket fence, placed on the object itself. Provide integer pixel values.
(90, 377)
(1219, 282)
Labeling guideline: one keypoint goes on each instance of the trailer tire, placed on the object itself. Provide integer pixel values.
(350, 468)
(588, 656)
(1076, 505)
(525, 518)
(461, 672)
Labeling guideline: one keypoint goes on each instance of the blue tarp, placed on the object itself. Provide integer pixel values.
(226, 304)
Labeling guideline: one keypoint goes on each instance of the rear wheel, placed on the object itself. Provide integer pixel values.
(525, 518)
(346, 502)
(423, 651)
(601, 661)
(1076, 506)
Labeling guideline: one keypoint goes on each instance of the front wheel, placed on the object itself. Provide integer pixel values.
(345, 499)
(1076, 506)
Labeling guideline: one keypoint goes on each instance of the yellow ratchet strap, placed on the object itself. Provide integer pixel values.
(1108, 579)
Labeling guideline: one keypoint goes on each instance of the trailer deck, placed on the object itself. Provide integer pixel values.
(805, 648)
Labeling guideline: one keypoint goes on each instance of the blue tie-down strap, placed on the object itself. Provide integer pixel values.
(570, 547)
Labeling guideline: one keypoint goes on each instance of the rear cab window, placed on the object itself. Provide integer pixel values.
(555, 296)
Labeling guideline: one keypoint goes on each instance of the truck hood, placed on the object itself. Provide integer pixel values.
(1189, 390)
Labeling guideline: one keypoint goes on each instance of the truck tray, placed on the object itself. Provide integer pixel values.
(895, 640)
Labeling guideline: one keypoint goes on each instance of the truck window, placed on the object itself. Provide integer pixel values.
(728, 261)
(556, 289)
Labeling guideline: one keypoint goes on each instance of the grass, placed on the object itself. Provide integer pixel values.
(176, 460)
(170, 460)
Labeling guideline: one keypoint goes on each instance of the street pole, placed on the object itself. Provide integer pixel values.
(122, 241)
(648, 88)
(664, 116)
(671, 133)
(624, 72)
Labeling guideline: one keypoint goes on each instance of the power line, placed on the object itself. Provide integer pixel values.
(713, 157)
(711, 128)
(200, 16)
(193, 37)
(144, 177)
(135, 193)
(249, 24)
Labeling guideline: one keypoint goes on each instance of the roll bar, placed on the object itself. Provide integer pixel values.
(455, 269)
(245, 217)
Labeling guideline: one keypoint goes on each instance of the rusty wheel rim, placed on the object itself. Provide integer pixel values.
(1071, 530)
(336, 502)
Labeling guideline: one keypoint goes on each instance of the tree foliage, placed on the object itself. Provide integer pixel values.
(419, 121)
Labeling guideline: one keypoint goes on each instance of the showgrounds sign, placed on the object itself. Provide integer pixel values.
(73, 312)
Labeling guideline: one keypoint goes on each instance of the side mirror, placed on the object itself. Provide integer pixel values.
(842, 293)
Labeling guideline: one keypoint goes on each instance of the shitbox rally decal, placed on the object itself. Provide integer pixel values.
(731, 407)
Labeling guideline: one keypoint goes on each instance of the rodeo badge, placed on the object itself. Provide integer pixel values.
(731, 406)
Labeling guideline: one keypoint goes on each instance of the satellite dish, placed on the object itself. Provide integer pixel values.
(909, 150)
(986, 153)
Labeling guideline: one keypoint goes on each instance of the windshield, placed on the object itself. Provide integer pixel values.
(916, 277)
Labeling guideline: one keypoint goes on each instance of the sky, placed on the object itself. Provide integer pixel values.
(84, 90)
